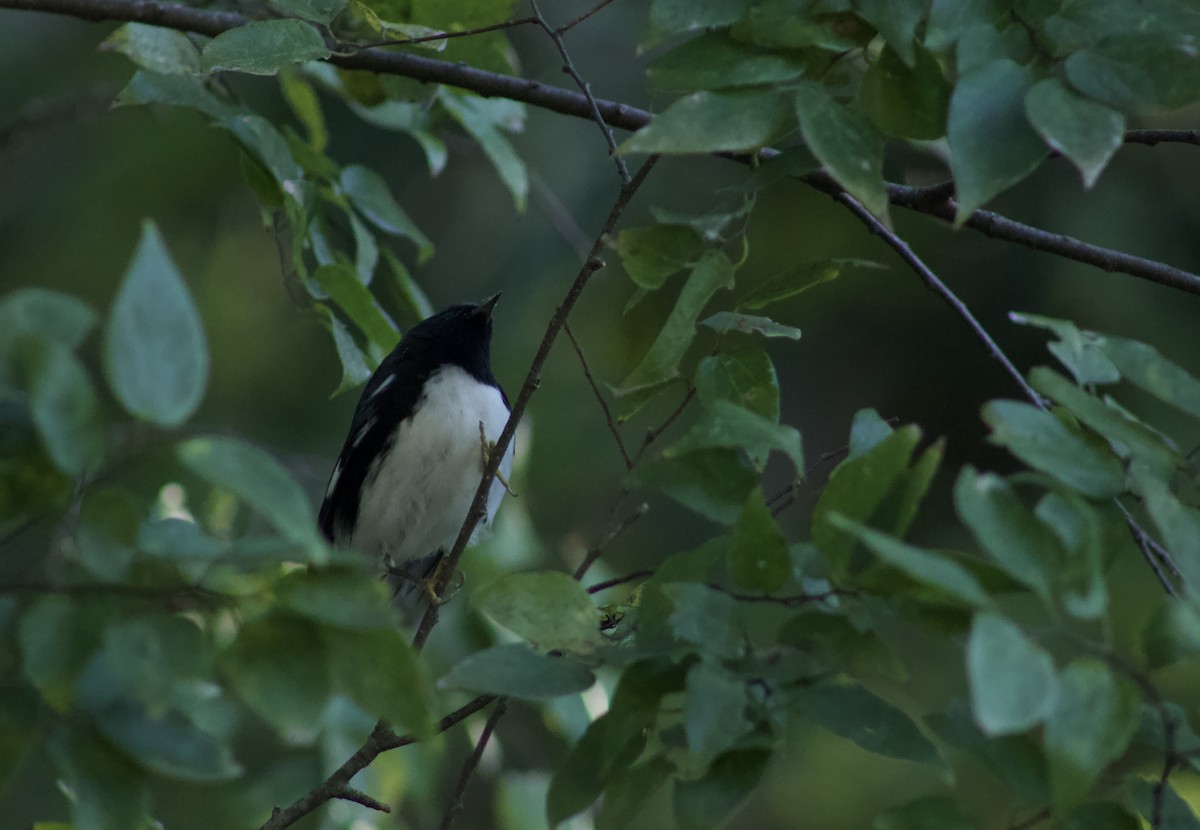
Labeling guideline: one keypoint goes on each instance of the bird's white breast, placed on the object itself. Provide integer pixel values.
(417, 494)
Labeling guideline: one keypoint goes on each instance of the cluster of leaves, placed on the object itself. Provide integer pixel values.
(998, 84)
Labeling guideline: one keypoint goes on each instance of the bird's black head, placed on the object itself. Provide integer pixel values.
(461, 335)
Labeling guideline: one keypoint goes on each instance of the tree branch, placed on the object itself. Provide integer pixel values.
(626, 117)
(608, 416)
(456, 800)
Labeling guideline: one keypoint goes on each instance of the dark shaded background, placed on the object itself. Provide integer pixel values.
(76, 178)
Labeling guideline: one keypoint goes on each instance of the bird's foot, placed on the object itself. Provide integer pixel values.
(429, 583)
(487, 448)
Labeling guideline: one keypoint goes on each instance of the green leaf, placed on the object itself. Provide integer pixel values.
(992, 145)
(707, 802)
(758, 558)
(59, 318)
(1081, 575)
(713, 272)
(1085, 132)
(57, 638)
(369, 193)
(19, 706)
(716, 61)
(724, 322)
(342, 597)
(516, 670)
(856, 488)
(798, 279)
(675, 16)
(855, 713)
(306, 106)
(155, 354)
(1100, 815)
(1128, 438)
(260, 481)
(1178, 524)
(342, 284)
(897, 21)
(269, 148)
(741, 374)
(780, 24)
(906, 101)
(278, 666)
(480, 120)
(705, 617)
(1093, 720)
(714, 710)
(867, 431)
(355, 371)
(548, 608)
(846, 143)
(1045, 443)
(381, 672)
(931, 812)
(899, 508)
(147, 87)
(1138, 72)
(1022, 546)
(110, 792)
(713, 122)
(1142, 365)
(321, 11)
(1012, 679)
(263, 47)
(155, 48)
(713, 482)
(1172, 633)
(167, 743)
(62, 402)
(655, 252)
(1016, 760)
(726, 424)
(921, 565)
(629, 789)
(1082, 357)
(1173, 814)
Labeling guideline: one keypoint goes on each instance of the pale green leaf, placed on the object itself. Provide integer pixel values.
(516, 670)
(263, 47)
(1012, 679)
(546, 608)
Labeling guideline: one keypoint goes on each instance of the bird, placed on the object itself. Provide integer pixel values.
(419, 440)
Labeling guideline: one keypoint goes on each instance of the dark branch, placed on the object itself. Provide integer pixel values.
(619, 580)
(608, 416)
(456, 800)
(598, 550)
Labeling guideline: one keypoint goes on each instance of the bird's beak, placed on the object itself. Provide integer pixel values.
(485, 308)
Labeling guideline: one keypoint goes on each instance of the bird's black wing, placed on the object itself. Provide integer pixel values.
(389, 397)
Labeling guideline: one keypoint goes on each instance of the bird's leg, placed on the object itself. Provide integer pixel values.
(488, 447)
(429, 583)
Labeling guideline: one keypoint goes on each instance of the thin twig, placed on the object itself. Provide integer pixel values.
(381, 739)
(1155, 554)
(1034, 820)
(608, 416)
(653, 434)
(934, 283)
(598, 550)
(412, 41)
(454, 807)
(569, 26)
(532, 381)
(619, 580)
(788, 601)
(359, 797)
(584, 87)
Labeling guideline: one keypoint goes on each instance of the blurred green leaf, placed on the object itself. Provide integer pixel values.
(724, 322)
(167, 743)
(408, 292)
(1142, 364)
(1172, 633)
(18, 721)
(857, 714)
(342, 283)
(898, 510)
(896, 21)
(1165, 804)
(782, 24)
(1085, 132)
(714, 711)
(798, 279)
(1138, 71)
(306, 106)
(63, 404)
(906, 101)
(379, 670)
(1082, 357)
(548, 608)
(1016, 760)
(263, 47)
(715, 61)
(713, 122)
(155, 48)
(482, 122)
(758, 558)
(516, 670)
(355, 371)
(1022, 546)
(652, 253)
(705, 617)
(726, 424)
(924, 566)
(260, 481)
(992, 145)
(1012, 679)
(173, 538)
(147, 87)
(628, 791)
(279, 667)
(867, 431)
(155, 353)
(931, 812)
(109, 791)
(342, 597)
(856, 488)
(1178, 524)
(57, 637)
(741, 374)
(370, 194)
(59, 318)
(321, 11)
(1045, 443)
(712, 272)
(707, 802)
(713, 482)
(1100, 815)
(1093, 719)
(675, 16)
(846, 143)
